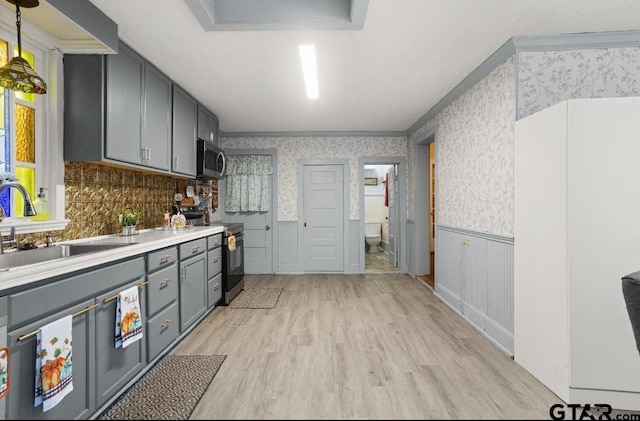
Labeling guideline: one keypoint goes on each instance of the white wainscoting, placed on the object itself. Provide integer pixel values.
(474, 276)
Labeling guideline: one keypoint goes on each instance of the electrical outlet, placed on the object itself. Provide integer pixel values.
(467, 241)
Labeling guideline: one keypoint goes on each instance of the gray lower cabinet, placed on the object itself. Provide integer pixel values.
(162, 326)
(81, 402)
(214, 269)
(193, 292)
(115, 367)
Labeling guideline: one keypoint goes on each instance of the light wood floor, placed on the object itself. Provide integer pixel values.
(370, 346)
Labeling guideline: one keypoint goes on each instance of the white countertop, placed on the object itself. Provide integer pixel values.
(144, 241)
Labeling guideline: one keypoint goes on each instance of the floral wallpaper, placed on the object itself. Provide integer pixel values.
(548, 77)
(292, 149)
(474, 156)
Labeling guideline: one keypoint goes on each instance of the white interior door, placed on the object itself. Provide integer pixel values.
(323, 218)
(393, 216)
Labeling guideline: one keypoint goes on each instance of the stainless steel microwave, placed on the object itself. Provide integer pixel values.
(211, 160)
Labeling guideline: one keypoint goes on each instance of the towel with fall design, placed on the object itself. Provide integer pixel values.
(53, 363)
(128, 318)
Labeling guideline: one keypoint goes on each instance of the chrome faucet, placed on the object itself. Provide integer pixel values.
(29, 209)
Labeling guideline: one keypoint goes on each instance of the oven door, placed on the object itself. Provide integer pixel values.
(234, 262)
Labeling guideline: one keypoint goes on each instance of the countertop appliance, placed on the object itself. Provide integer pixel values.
(232, 261)
(211, 160)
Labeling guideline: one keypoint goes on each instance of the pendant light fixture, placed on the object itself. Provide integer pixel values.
(18, 74)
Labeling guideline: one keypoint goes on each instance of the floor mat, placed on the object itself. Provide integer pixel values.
(169, 391)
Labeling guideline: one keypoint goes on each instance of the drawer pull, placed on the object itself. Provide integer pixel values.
(216, 286)
(215, 259)
(165, 283)
(184, 273)
(165, 259)
(166, 323)
(195, 249)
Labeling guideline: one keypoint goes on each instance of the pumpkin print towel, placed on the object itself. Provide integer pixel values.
(53, 363)
(128, 319)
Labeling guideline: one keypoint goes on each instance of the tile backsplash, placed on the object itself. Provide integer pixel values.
(95, 194)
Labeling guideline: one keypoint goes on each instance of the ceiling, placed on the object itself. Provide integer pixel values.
(383, 77)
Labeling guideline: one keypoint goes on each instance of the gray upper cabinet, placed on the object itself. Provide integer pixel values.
(117, 109)
(185, 123)
(156, 121)
(207, 125)
(125, 73)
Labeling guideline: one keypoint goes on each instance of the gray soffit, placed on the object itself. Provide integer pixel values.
(247, 15)
(95, 32)
(519, 44)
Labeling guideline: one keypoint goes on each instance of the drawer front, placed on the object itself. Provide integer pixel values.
(214, 262)
(41, 301)
(162, 288)
(162, 329)
(192, 248)
(161, 258)
(214, 289)
(214, 241)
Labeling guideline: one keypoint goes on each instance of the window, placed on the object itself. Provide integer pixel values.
(20, 152)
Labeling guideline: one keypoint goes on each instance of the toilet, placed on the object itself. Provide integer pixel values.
(373, 236)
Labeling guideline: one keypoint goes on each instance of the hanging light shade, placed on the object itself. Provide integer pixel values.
(18, 75)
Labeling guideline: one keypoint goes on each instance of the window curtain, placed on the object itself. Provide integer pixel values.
(248, 183)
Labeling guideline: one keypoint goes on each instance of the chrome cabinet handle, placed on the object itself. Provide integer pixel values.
(184, 273)
(216, 286)
(165, 282)
(195, 249)
(215, 259)
(166, 323)
(165, 259)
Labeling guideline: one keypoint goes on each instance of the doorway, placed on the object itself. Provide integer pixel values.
(425, 209)
(381, 218)
(383, 210)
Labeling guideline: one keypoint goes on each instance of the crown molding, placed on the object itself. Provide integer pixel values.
(312, 134)
(519, 44)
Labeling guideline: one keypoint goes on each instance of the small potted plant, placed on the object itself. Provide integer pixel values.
(128, 219)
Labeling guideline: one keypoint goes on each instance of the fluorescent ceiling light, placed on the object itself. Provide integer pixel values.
(308, 57)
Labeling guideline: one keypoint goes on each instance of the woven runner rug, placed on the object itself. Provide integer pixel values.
(255, 297)
(169, 391)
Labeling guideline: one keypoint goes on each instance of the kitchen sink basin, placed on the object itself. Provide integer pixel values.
(19, 258)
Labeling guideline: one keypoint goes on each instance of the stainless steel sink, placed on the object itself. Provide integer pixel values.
(19, 258)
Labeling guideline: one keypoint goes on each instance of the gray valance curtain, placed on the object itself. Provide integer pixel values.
(248, 186)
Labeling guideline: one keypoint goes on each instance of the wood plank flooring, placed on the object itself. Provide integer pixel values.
(365, 346)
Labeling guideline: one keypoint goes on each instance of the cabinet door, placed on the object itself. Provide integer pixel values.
(185, 123)
(193, 293)
(156, 129)
(124, 106)
(115, 367)
(203, 123)
(78, 404)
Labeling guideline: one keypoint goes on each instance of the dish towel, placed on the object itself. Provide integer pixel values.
(53, 363)
(128, 319)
